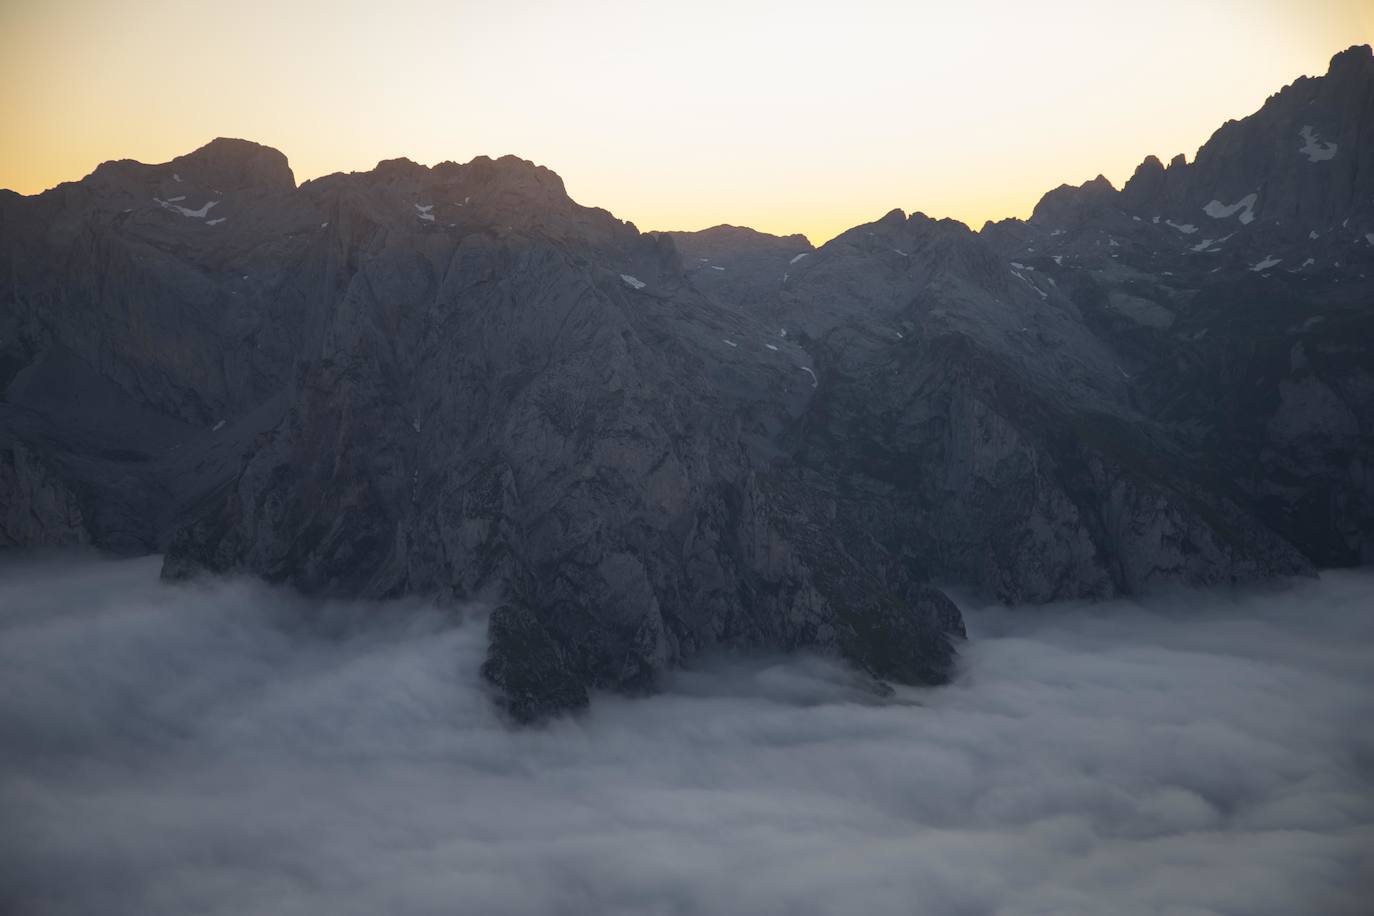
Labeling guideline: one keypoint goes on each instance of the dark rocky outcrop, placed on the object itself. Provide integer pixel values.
(1067, 204)
(528, 667)
(39, 509)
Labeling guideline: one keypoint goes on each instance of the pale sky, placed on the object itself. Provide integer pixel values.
(788, 117)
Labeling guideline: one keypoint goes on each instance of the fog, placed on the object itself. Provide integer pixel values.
(226, 748)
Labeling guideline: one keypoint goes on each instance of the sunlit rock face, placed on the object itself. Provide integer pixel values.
(456, 382)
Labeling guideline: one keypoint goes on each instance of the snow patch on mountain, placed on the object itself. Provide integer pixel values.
(1245, 207)
(1313, 148)
(185, 211)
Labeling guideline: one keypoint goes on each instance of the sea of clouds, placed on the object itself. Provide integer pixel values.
(225, 748)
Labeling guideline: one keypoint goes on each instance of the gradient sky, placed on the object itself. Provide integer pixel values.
(788, 117)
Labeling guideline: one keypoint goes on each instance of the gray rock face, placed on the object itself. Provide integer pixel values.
(1236, 291)
(39, 509)
(739, 264)
(991, 432)
(144, 309)
(1307, 156)
(450, 381)
(455, 381)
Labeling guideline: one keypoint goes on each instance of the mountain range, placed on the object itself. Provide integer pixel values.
(635, 446)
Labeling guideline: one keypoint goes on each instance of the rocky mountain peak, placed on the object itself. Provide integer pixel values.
(1148, 167)
(507, 175)
(229, 164)
(1068, 203)
(736, 262)
(399, 168)
(1354, 60)
(1146, 182)
(1288, 173)
(725, 234)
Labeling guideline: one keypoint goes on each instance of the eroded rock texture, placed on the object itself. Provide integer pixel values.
(455, 381)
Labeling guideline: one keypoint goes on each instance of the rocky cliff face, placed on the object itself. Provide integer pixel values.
(547, 408)
(991, 433)
(1236, 291)
(455, 381)
(39, 510)
(450, 381)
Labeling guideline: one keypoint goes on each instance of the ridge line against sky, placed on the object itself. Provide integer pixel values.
(785, 117)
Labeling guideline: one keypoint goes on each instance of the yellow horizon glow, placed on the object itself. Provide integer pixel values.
(786, 117)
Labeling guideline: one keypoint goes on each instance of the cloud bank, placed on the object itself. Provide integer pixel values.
(226, 748)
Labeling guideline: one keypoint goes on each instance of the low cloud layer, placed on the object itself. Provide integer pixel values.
(229, 749)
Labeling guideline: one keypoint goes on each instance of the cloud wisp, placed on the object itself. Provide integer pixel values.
(226, 748)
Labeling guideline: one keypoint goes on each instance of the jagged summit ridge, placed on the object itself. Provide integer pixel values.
(1307, 155)
(1356, 58)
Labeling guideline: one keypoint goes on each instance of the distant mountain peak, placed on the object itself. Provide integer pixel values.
(1068, 202)
(232, 164)
(1353, 58)
(399, 166)
(728, 233)
(1303, 160)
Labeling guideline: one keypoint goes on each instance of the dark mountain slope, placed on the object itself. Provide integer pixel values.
(455, 381)
(990, 431)
(450, 381)
(1237, 290)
